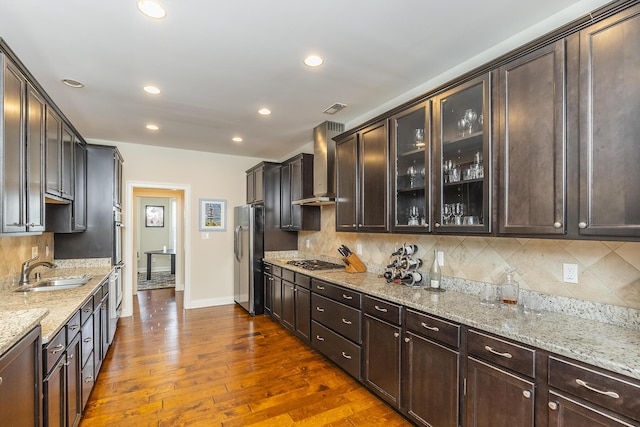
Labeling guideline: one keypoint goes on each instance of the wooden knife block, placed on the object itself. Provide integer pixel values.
(354, 265)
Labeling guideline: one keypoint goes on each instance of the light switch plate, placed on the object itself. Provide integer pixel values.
(358, 249)
(441, 258)
(570, 273)
(34, 251)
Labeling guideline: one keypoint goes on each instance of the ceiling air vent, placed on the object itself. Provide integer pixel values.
(335, 108)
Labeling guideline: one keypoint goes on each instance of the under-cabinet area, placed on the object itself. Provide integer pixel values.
(443, 359)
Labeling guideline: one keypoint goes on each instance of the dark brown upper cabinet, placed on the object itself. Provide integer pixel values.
(411, 169)
(531, 159)
(462, 158)
(362, 177)
(255, 184)
(296, 182)
(609, 126)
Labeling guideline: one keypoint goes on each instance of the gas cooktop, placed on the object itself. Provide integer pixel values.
(314, 264)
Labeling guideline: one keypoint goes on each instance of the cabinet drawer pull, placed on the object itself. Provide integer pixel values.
(319, 338)
(320, 309)
(346, 322)
(553, 406)
(88, 339)
(526, 394)
(588, 387)
(345, 355)
(88, 379)
(57, 349)
(74, 327)
(507, 355)
(431, 328)
(87, 310)
(347, 296)
(320, 287)
(382, 309)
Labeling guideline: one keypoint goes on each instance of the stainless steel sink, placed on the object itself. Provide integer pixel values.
(55, 284)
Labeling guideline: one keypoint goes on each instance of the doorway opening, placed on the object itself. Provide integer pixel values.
(176, 224)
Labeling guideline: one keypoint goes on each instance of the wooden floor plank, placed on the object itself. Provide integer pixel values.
(218, 366)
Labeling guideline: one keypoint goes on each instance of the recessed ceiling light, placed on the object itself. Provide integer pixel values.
(151, 89)
(264, 111)
(72, 83)
(236, 139)
(313, 61)
(152, 127)
(152, 9)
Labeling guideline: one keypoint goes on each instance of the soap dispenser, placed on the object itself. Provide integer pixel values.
(510, 289)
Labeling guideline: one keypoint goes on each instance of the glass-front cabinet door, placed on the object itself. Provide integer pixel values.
(411, 148)
(462, 159)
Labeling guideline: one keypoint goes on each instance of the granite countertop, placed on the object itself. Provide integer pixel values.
(597, 343)
(21, 311)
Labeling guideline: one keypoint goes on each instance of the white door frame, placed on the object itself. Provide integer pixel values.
(130, 268)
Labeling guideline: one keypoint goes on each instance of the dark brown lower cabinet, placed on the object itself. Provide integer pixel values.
(381, 359)
(288, 305)
(276, 309)
(496, 397)
(430, 382)
(74, 382)
(268, 293)
(20, 380)
(566, 412)
(302, 313)
(53, 388)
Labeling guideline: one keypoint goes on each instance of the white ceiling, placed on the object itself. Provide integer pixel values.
(217, 62)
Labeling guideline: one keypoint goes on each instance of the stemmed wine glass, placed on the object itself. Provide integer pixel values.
(470, 117)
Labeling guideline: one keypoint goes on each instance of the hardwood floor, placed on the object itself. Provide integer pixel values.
(221, 367)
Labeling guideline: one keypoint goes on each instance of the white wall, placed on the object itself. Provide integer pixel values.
(208, 175)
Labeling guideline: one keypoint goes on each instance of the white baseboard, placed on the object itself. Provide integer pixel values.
(211, 302)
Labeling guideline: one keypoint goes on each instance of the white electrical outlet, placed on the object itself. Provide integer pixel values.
(358, 249)
(570, 273)
(46, 250)
(441, 258)
(34, 251)
(307, 243)
(205, 236)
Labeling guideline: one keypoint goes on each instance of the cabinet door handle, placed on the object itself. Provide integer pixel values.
(507, 355)
(407, 339)
(88, 379)
(396, 335)
(88, 339)
(557, 224)
(0, 380)
(582, 224)
(347, 296)
(320, 309)
(437, 225)
(346, 322)
(57, 349)
(319, 338)
(345, 355)
(382, 309)
(526, 394)
(87, 310)
(553, 406)
(321, 288)
(431, 328)
(588, 387)
(74, 327)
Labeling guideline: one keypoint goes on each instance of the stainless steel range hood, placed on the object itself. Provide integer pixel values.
(324, 165)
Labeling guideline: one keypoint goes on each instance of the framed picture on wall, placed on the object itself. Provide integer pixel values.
(213, 215)
(154, 216)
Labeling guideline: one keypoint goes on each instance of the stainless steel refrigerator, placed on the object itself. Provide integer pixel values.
(248, 251)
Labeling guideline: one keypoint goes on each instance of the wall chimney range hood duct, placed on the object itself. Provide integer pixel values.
(324, 165)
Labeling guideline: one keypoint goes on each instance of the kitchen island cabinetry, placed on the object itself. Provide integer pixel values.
(609, 54)
(22, 123)
(296, 182)
(532, 150)
(362, 180)
(20, 382)
(381, 338)
(500, 389)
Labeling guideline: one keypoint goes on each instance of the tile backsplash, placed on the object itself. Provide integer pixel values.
(608, 272)
(16, 250)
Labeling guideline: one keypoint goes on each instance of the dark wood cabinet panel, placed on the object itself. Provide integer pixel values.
(276, 308)
(268, 293)
(74, 381)
(302, 312)
(430, 375)
(67, 168)
(381, 358)
(567, 412)
(531, 133)
(346, 184)
(288, 305)
(497, 398)
(35, 139)
(609, 126)
(297, 183)
(20, 390)
(340, 350)
(53, 389)
(255, 184)
(340, 318)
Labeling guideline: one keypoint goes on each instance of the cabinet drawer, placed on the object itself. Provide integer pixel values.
(341, 351)
(86, 311)
(267, 268)
(276, 271)
(503, 353)
(617, 394)
(86, 336)
(97, 298)
(304, 281)
(382, 309)
(434, 328)
(88, 380)
(345, 296)
(288, 275)
(73, 327)
(53, 350)
(342, 319)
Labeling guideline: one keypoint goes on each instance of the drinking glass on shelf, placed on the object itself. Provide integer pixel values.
(418, 138)
(470, 116)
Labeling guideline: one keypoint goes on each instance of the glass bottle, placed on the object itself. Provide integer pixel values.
(435, 275)
(510, 289)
